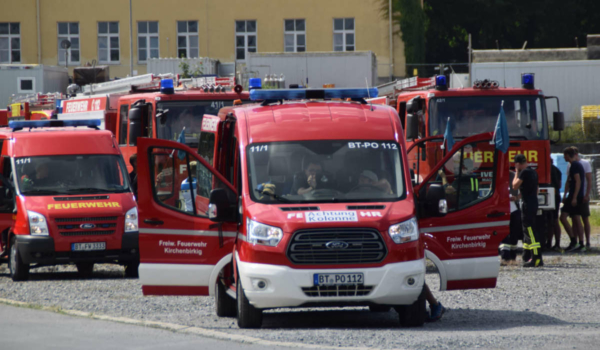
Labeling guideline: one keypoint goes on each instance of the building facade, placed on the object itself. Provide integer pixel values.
(39, 31)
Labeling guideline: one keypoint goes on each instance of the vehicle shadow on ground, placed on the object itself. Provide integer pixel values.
(51, 275)
(453, 320)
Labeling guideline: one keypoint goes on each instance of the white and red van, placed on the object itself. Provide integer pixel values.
(305, 199)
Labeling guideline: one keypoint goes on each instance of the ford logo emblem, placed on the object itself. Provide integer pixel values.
(337, 245)
(87, 226)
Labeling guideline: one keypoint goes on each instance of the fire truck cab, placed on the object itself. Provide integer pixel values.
(429, 109)
(305, 199)
(65, 201)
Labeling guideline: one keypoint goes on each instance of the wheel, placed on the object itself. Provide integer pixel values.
(85, 270)
(19, 271)
(224, 304)
(248, 315)
(413, 315)
(132, 270)
(379, 308)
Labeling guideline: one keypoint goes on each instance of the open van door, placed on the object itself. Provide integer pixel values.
(463, 244)
(181, 249)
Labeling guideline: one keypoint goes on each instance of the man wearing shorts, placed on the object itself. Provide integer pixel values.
(556, 181)
(573, 201)
(585, 213)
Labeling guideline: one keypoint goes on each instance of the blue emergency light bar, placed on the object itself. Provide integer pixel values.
(307, 94)
(20, 124)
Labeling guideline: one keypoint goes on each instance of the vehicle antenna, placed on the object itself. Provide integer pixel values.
(369, 94)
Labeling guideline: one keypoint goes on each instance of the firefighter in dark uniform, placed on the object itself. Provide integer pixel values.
(526, 182)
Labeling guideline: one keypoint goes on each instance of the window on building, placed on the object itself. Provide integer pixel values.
(245, 39)
(108, 42)
(187, 39)
(26, 85)
(10, 42)
(343, 34)
(69, 32)
(147, 40)
(294, 35)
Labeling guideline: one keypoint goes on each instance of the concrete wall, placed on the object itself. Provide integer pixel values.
(480, 56)
(216, 21)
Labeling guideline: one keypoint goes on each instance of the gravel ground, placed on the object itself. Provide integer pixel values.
(554, 307)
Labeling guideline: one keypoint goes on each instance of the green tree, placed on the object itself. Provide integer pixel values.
(409, 16)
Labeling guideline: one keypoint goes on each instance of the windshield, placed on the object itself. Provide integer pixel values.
(188, 114)
(472, 115)
(325, 171)
(71, 174)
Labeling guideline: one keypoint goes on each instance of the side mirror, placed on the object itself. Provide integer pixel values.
(559, 121)
(412, 127)
(221, 207)
(413, 106)
(135, 124)
(435, 201)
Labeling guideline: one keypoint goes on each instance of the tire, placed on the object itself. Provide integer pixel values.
(225, 306)
(413, 315)
(19, 271)
(85, 270)
(132, 270)
(248, 315)
(379, 308)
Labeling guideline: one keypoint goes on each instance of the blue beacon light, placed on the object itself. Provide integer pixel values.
(441, 83)
(301, 94)
(255, 83)
(527, 80)
(166, 86)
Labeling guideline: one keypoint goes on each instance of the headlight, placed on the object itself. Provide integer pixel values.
(258, 233)
(37, 224)
(406, 231)
(131, 220)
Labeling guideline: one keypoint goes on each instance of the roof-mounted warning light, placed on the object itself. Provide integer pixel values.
(302, 94)
(255, 83)
(166, 87)
(441, 83)
(18, 125)
(527, 80)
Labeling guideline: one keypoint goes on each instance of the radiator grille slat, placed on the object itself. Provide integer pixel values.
(361, 246)
(89, 219)
(351, 290)
(86, 233)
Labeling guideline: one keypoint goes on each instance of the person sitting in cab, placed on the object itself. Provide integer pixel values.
(40, 179)
(369, 179)
(311, 179)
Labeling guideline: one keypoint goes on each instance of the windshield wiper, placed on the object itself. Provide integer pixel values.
(89, 189)
(42, 191)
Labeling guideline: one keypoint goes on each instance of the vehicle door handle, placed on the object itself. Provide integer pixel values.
(154, 222)
(496, 214)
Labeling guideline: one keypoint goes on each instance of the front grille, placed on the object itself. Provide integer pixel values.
(354, 290)
(86, 233)
(102, 218)
(101, 225)
(362, 246)
(366, 207)
(299, 208)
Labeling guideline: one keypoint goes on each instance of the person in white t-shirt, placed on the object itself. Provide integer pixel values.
(587, 186)
(188, 193)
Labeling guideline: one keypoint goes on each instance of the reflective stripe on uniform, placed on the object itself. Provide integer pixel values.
(534, 245)
(505, 246)
(474, 185)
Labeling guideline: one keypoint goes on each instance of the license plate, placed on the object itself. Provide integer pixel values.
(332, 279)
(78, 247)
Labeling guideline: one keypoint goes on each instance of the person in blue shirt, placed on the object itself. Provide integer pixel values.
(188, 193)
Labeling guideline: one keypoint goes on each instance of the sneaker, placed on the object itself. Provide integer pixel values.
(571, 246)
(575, 247)
(436, 312)
(558, 249)
(588, 246)
(578, 248)
(534, 263)
(583, 249)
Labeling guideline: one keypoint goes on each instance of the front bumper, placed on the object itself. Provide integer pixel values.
(40, 250)
(284, 285)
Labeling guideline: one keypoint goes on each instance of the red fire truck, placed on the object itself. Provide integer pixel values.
(426, 106)
(65, 201)
(310, 203)
(33, 107)
(153, 106)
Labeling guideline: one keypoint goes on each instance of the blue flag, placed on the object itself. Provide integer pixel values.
(448, 136)
(181, 139)
(501, 139)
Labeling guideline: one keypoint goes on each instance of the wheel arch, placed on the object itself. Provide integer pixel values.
(226, 260)
(440, 267)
